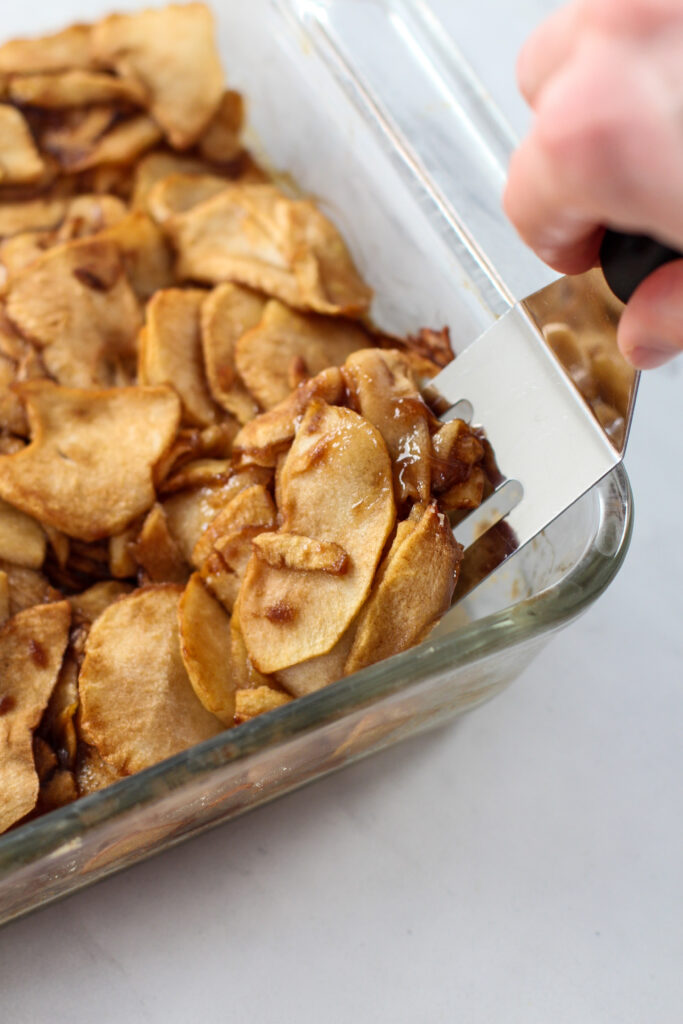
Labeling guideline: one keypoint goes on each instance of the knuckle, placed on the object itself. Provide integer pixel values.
(585, 136)
(633, 15)
(586, 145)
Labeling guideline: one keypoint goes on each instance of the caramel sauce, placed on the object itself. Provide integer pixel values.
(38, 653)
(7, 704)
(281, 612)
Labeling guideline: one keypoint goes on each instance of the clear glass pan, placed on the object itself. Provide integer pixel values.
(368, 108)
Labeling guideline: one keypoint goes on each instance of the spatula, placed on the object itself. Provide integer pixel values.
(548, 438)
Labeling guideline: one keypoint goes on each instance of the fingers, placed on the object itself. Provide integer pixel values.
(605, 80)
(547, 50)
(565, 159)
(651, 328)
(562, 235)
(604, 149)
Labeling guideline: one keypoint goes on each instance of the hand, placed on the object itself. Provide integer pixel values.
(605, 81)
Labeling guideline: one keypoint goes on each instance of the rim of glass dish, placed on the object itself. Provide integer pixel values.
(521, 622)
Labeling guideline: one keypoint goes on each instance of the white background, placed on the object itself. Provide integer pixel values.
(524, 865)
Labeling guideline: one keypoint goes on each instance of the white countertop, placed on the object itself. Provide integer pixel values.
(523, 865)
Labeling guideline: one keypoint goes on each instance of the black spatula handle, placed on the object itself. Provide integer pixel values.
(628, 259)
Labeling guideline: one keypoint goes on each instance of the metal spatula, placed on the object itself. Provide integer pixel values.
(545, 421)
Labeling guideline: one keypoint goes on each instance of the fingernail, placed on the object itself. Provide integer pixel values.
(650, 356)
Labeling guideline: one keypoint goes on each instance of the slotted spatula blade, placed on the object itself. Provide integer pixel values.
(549, 444)
(544, 415)
(547, 441)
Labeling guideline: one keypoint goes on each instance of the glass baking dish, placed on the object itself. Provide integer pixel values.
(370, 108)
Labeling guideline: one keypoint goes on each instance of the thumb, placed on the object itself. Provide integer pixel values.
(651, 328)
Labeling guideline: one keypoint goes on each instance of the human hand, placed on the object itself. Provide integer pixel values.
(605, 81)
